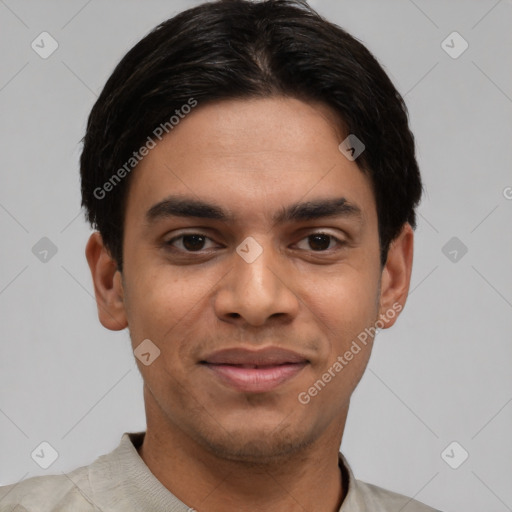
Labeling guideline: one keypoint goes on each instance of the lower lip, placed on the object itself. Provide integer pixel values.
(256, 380)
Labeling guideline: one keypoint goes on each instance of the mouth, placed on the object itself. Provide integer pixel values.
(255, 371)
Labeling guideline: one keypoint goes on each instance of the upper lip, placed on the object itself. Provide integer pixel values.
(268, 356)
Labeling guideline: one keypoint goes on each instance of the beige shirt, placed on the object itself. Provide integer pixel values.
(121, 481)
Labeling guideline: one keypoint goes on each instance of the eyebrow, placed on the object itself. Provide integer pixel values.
(176, 206)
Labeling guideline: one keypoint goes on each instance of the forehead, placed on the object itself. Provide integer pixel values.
(251, 156)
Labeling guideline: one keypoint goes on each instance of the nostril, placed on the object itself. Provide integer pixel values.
(234, 315)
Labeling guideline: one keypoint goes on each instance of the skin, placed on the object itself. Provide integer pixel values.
(214, 447)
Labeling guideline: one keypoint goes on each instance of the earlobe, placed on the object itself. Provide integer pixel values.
(108, 287)
(396, 276)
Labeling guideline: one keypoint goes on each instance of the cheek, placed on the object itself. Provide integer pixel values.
(161, 303)
(172, 308)
(343, 308)
(344, 303)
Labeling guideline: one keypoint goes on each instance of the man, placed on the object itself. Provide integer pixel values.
(252, 177)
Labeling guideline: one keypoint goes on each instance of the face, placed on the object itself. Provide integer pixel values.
(251, 260)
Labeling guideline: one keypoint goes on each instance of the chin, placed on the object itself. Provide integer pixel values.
(257, 445)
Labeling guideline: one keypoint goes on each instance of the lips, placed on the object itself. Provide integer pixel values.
(255, 371)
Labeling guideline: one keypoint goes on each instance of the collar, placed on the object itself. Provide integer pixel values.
(138, 489)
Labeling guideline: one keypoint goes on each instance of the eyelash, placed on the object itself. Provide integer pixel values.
(169, 243)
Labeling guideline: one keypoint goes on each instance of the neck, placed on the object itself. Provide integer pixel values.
(310, 479)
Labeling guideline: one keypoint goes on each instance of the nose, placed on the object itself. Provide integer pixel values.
(257, 292)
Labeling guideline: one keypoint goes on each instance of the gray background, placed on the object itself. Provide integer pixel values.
(442, 374)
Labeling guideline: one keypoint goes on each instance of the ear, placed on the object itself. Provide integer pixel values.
(396, 276)
(108, 287)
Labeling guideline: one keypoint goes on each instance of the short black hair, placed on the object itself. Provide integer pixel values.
(236, 49)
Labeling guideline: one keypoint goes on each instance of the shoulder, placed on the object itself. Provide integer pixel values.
(85, 488)
(365, 497)
(49, 493)
(381, 500)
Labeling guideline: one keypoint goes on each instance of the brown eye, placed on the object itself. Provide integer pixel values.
(190, 242)
(193, 242)
(319, 241)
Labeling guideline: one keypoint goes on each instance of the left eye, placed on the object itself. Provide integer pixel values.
(319, 241)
